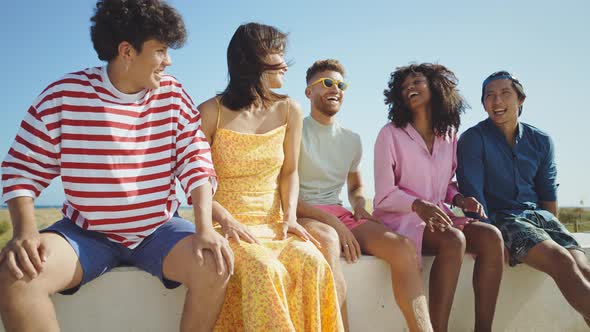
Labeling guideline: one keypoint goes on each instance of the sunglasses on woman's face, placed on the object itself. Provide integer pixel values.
(329, 82)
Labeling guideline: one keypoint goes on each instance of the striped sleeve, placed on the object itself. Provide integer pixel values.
(194, 165)
(32, 161)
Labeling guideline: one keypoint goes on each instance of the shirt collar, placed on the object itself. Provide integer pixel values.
(322, 127)
(415, 135)
(519, 132)
(412, 132)
(125, 97)
(492, 127)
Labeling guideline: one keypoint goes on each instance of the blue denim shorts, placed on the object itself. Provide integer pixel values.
(98, 255)
(522, 230)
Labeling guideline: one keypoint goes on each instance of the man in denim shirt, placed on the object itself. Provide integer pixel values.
(509, 167)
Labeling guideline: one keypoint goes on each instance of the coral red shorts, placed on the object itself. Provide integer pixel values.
(345, 216)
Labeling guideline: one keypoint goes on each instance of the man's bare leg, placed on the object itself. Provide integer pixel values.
(582, 261)
(559, 264)
(25, 298)
(328, 238)
(205, 287)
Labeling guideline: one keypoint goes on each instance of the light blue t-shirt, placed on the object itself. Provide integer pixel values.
(328, 154)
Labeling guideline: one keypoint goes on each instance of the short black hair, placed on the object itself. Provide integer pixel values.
(134, 21)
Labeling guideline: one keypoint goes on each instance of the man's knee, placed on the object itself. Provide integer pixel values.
(581, 259)
(206, 275)
(561, 260)
(11, 288)
(6, 280)
(325, 234)
(401, 252)
(549, 257)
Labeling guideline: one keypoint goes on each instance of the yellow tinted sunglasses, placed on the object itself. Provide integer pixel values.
(329, 82)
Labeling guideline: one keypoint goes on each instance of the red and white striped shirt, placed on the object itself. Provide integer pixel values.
(118, 155)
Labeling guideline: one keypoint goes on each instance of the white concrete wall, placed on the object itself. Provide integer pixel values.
(528, 300)
(128, 300)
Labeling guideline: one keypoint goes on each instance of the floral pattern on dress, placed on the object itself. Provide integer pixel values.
(280, 285)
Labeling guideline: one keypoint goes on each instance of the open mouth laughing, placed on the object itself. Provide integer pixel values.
(333, 99)
(499, 111)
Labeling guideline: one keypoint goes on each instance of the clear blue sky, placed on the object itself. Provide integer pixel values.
(545, 43)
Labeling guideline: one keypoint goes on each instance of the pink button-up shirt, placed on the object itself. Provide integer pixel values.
(406, 171)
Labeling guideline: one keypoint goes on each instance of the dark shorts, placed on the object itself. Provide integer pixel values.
(523, 230)
(98, 255)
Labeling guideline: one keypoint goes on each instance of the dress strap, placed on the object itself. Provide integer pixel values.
(218, 112)
(288, 109)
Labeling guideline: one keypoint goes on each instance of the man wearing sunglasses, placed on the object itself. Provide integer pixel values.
(329, 157)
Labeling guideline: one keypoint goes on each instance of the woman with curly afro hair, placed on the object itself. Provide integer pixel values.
(415, 162)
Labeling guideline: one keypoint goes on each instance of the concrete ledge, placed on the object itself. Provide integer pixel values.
(127, 299)
(528, 300)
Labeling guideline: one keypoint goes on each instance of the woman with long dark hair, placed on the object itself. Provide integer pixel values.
(415, 162)
(281, 282)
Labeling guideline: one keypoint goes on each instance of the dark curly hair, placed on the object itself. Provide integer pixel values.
(447, 102)
(246, 51)
(323, 65)
(134, 21)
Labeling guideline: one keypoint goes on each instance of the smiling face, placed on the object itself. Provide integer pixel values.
(325, 100)
(145, 68)
(501, 102)
(273, 79)
(416, 91)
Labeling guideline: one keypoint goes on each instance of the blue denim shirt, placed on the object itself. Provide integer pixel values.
(503, 177)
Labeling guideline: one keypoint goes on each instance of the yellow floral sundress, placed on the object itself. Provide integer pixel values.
(281, 285)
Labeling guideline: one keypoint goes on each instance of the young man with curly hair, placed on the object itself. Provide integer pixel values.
(119, 136)
(509, 167)
(329, 157)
